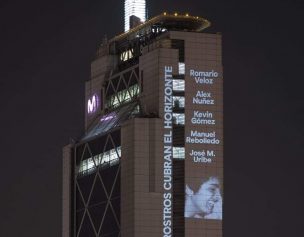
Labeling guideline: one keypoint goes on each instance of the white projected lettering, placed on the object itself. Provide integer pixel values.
(203, 147)
(202, 138)
(202, 156)
(204, 199)
(203, 98)
(195, 73)
(201, 77)
(167, 166)
(202, 117)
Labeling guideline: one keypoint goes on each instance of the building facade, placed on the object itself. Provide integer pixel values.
(151, 160)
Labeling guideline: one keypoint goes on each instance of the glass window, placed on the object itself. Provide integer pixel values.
(178, 118)
(123, 96)
(110, 157)
(179, 152)
(181, 68)
(126, 55)
(86, 165)
(178, 85)
(178, 101)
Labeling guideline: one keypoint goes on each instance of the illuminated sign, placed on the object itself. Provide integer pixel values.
(168, 148)
(203, 151)
(93, 104)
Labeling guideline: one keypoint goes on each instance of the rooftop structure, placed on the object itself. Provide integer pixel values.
(165, 22)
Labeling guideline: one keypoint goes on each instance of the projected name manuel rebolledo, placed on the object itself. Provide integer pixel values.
(202, 138)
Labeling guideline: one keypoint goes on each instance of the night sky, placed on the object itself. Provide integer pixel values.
(45, 52)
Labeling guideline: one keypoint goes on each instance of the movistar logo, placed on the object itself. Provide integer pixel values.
(92, 104)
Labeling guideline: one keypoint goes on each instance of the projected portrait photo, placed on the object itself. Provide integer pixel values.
(203, 199)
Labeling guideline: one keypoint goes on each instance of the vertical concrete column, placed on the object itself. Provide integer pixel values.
(66, 190)
(141, 209)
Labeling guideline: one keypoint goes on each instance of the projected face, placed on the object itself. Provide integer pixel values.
(206, 203)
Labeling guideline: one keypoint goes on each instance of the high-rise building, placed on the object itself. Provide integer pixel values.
(135, 8)
(151, 160)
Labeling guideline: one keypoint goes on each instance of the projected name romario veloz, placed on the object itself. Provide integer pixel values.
(167, 197)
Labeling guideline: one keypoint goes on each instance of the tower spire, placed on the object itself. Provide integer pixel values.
(135, 8)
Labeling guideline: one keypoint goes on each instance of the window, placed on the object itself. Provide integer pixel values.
(123, 96)
(126, 55)
(181, 68)
(179, 152)
(180, 45)
(110, 157)
(86, 165)
(178, 85)
(178, 102)
(178, 118)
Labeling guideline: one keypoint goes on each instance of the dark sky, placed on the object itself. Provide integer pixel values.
(45, 52)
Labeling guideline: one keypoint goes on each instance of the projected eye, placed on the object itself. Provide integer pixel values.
(212, 189)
